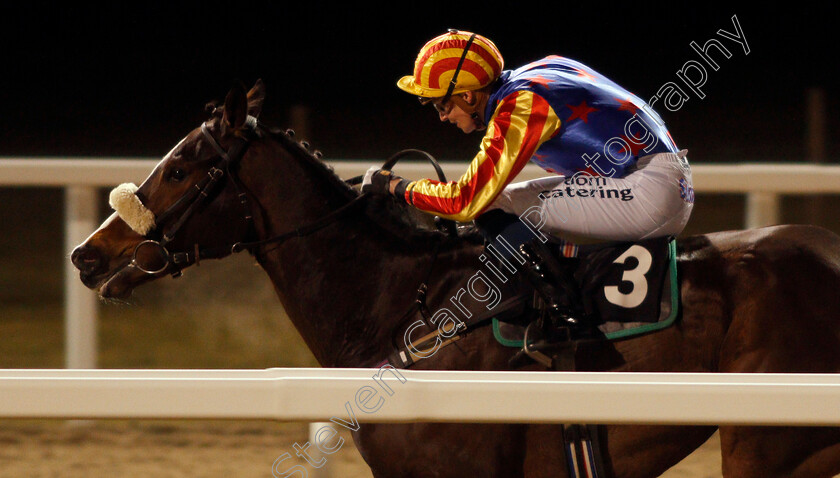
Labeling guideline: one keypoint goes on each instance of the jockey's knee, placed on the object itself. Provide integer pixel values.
(503, 230)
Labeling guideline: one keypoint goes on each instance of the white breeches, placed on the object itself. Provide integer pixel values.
(653, 200)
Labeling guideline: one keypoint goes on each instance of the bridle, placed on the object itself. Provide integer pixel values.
(157, 240)
(152, 255)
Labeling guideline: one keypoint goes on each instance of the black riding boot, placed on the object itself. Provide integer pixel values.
(553, 278)
(556, 317)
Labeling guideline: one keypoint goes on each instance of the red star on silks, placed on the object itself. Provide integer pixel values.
(540, 157)
(549, 57)
(627, 105)
(580, 111)
(584, 74)
(634, 146)
(541, 80)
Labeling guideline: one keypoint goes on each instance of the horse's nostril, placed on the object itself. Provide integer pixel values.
(86, 259)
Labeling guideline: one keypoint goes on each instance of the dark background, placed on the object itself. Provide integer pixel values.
(131, 81)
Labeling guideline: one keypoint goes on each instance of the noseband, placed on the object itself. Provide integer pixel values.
(152, 255)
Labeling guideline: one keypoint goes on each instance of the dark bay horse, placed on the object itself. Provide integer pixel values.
(762, 300)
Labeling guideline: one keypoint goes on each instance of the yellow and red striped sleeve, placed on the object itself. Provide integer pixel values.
(520, 124)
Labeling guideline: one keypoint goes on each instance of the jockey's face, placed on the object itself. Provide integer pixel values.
(451, 112)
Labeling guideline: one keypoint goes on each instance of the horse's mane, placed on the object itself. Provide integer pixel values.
(404, 222)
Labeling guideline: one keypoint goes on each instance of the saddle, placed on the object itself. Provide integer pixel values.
(590, 294)
(563, 297)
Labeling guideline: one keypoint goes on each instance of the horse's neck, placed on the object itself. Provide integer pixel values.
(344, 286)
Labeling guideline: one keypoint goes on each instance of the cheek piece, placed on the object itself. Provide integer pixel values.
(123, 199)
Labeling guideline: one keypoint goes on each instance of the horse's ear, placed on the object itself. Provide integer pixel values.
(236, 109)
(255, 98)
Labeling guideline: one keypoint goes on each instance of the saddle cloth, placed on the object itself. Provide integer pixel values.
(630, 287)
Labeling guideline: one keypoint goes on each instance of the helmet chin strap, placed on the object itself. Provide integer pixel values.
(471, 109)
(479, 123)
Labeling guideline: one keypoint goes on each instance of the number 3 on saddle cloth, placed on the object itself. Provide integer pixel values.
(593, 293)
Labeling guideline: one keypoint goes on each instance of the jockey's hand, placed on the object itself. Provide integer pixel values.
(367, 182)
(384, 182)
(378, 181)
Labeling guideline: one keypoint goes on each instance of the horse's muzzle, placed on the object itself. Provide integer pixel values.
(87, 259)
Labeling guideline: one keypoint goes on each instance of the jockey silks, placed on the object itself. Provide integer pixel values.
(562, 115)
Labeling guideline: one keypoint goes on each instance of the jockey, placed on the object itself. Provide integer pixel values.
(615, 173)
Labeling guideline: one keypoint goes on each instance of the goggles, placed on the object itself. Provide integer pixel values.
(442, 105)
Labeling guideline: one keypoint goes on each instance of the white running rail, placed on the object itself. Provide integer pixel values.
(386, 395)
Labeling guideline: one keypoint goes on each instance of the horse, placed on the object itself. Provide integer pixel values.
(758, 301)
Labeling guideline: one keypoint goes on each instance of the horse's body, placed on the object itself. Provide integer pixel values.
(752, 301)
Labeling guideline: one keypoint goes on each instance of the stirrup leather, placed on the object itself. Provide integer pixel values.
(554, 284)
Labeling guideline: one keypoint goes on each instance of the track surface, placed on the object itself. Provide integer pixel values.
(50, 449)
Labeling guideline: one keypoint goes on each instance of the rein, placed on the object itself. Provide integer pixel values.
(303, 230)
(162, 259)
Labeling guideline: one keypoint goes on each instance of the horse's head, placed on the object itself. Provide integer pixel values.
(190, 206)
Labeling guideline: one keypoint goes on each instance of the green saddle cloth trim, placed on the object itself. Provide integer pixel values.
(505, 341)
(632, 331)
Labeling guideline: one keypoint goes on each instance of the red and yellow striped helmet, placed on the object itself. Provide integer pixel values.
(471, 60)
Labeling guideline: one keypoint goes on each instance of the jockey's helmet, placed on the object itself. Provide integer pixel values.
(453, 63)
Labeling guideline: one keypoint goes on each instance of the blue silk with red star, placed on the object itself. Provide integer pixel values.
(598, 134)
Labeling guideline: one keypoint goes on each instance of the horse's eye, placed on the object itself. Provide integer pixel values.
(177, 175)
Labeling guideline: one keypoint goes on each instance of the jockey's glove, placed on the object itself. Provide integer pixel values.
(378, 181)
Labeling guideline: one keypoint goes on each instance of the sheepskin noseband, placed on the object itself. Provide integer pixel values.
(131, 210)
